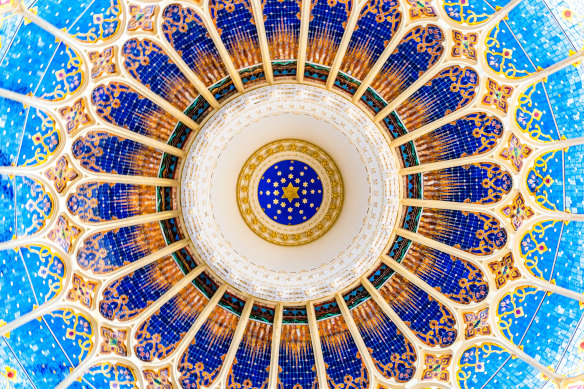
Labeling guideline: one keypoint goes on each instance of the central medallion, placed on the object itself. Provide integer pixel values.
(290, 192)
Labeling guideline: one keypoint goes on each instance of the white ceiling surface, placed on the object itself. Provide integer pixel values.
(355, 144)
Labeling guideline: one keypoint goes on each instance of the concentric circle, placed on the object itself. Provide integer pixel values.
(370, 192)
(290, 192)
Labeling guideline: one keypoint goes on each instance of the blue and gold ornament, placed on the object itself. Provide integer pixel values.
(290, 192)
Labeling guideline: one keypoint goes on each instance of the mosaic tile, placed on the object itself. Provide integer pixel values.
(515, 152)
(29, 136)
(127, 296)
(106, 251)
(518, 212)
(478, 183)
(31, 276)
(474, 232)
(184, 29)
(65, 233)
(82, 290)
(75, 116)
(157, 379)
(458, 279)
(107, 375)
(25, 207)
(142, 18)
(114, 341)
(377, 23)
(504, 270)
(436, 367)
(202, 361)
(87, 21)
(497, 95)
(464, 44)
(551, 251)
(62, 174)
(103, 152)
(326, 29)
(103, 62)
(477, 323)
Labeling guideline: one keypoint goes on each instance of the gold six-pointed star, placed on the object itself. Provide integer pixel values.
(290, 192)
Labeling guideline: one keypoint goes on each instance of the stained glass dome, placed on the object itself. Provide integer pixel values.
(154, 232)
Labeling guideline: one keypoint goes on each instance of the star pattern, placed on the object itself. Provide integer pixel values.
(290, 192)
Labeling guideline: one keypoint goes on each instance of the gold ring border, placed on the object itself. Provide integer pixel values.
(255, 219)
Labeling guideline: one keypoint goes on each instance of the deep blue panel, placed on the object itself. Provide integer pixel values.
(102, 152)
(432, 322)
(417, 52)
(447, 92)
(159, 335)
(474, 232)
(120, 105)
(126, 297)
(344, 364)
(106, 251)
(251, 365)
(96, 202)
(326, 28)
(235, 23)
(147, 62)
(458, 279)
(296, 359)
(472, 134)
(377, 23)
(477, 183)
(282, 25)
(394, 355)
(187, 34)
(202, 360)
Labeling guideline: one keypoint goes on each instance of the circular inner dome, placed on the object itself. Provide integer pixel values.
(290, 192)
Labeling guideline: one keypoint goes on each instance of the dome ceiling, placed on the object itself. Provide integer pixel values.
(453, 257)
